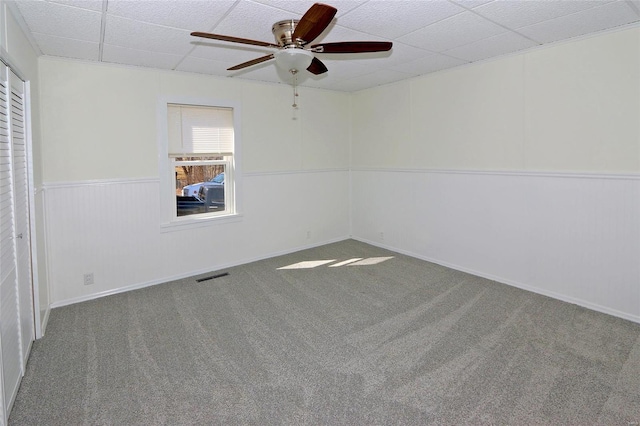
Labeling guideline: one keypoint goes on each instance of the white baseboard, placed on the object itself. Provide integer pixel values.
(186, 275)
(44, 321)
(543, 292)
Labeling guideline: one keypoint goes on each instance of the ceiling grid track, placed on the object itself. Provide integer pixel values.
(103, 26)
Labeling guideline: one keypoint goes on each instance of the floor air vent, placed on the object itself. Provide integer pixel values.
(224, 274)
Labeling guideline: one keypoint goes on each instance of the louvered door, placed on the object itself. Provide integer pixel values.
(21, 203)
(16, 289)
(9, 308)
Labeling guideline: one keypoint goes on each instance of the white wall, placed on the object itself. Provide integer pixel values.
(524, 169)
(101, 176)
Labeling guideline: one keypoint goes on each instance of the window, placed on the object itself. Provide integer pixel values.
(200, 165)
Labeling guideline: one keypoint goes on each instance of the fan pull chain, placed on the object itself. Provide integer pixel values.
(295, 87)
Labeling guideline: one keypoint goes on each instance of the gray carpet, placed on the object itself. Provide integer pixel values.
(398, 342)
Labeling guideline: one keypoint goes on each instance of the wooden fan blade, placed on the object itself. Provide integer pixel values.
(314, 22)
(352, 47)
(317, 67)
(251, 62)
(233, 39)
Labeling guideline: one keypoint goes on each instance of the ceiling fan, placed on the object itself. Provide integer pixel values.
(293, 39)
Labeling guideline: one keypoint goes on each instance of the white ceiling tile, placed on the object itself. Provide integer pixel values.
(635, 4)
(517, 14)
(193, 15)
(300, 7)
(149, 37)
(95, 5)
(470, 4)
(493, 46)
(458, 30)
(588, 21)
(432, 63)
(374, 16)
(67, 48)
(123, 55)
(61, 20)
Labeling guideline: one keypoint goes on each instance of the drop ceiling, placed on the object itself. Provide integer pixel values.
(427, 36)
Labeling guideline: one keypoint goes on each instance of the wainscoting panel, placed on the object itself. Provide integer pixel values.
(570, 236)
(111, 229)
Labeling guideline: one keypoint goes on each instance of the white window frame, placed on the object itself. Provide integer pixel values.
(169, 220)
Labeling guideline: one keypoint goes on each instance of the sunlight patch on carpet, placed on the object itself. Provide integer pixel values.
(356, 261)
(308, 264)
(345, 262)
(371, 261)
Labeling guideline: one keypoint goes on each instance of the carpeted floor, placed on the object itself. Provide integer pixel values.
(401, 341)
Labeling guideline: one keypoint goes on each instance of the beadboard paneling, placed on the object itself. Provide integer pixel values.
(569, 236)
(573, 237)
(112, 229)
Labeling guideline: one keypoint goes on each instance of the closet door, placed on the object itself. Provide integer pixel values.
(22, 222)
(10, 330)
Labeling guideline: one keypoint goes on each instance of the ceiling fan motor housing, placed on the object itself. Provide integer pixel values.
(283, 32)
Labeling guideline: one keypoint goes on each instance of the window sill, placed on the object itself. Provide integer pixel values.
(199, 222)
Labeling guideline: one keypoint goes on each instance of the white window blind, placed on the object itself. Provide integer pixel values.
(200, 130)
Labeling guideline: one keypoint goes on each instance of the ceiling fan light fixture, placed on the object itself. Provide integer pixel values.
(293, 59)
